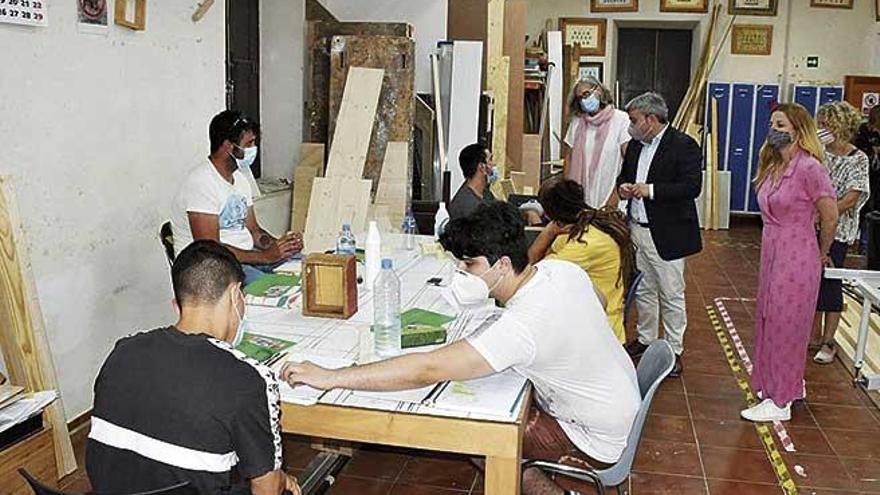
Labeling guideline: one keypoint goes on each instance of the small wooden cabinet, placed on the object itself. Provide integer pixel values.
(34, 453)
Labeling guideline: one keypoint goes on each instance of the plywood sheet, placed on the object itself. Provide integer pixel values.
(23, 339)
(396, 105)
(515, 49)
(464, 104)
(531, 165)
(357, 111)
(311, 165)
(391, 193)
(335, 201)
(423, 121)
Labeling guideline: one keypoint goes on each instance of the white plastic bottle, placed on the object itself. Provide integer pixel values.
(372, 255)
(386, 312)
(441, 218)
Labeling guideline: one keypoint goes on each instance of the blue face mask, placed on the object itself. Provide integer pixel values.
(590, 104)
(493, 176)
(250, 154)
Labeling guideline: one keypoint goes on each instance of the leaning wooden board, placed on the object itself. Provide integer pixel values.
(311, 165)
(391, 192)
(355, 123)
(23, 339)
(335, 201)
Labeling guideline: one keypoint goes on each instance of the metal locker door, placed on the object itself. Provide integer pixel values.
(766, 100)
(721, 92)
(807, 96)
(828, 94)
(740, 149)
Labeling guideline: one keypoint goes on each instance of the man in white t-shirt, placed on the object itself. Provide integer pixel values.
(215, 200)
(552, 331)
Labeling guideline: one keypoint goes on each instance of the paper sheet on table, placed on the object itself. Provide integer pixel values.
(415, 396)
(495, 394)
(303, 394)
(25, 408)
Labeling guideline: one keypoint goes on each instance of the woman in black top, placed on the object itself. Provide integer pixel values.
(868, 140)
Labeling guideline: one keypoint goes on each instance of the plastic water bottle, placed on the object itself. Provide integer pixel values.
(386, 312)
(409, 230)
(346, 242)
(441, 218)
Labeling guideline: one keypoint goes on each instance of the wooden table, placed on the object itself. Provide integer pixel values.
(499, 441)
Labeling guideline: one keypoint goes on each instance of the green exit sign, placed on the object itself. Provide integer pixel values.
(812, 62)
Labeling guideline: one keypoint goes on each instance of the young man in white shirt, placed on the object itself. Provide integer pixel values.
(215, 200)
(552, 331)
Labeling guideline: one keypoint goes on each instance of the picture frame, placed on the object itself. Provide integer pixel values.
(751, 39)
(136, 20)
(595, 69)
(685, 6)
(614, 5)
(753, 7)
(588, 33)
(832, 4)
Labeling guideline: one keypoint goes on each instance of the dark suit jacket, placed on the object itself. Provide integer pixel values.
(677, 178)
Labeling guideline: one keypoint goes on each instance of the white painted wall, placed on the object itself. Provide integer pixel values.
(98, 131)
(282, 39)
(428, 18)
(846, 41)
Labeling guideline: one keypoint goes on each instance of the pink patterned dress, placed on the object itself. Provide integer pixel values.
(791, 269)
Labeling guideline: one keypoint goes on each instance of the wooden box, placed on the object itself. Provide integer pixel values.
(330, 286)
(34, 453)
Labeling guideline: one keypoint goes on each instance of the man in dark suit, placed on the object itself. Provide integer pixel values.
(661, 177)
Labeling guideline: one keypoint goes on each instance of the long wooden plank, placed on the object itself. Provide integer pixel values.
(497, 82)
(531, 164)
(354, 127)
(311, 165)
(714, 170)
(515, 48)
(464, 104)
(556, 100)
(23, 339)
(391, 192)
(335, 201)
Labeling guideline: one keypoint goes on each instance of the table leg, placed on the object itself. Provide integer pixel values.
(502, 476)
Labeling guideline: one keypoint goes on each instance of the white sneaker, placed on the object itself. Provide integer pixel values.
(767, 411)
(825, 355)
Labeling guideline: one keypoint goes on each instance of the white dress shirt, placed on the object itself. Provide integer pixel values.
(646, 156)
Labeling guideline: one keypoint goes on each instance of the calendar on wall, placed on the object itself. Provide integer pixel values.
(27, 12)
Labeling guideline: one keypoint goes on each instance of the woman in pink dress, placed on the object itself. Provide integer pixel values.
(793, 186)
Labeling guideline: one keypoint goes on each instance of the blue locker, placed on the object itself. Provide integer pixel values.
(740, 149)
(721, 92)
(766, 99)
(807, 96)
(828, 94)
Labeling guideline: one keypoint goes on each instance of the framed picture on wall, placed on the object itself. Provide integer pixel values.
(751, 39)
(752, 7)
(832, 4)
(697, 6)
(588, 34)
(595, 69)
(614, 5)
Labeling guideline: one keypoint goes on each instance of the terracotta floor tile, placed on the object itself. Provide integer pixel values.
(345, 485)
(809, 440)
(384, 464)
(726, 408)
(669, 404)
(865, 474)
(671, 385)
(734, 433)
(712, 385)
(737, 465)
(833, 393)
(663, 457)
(850, 443)
(845, 418)
(296, 451)
(724, 487)
(445, 471)
(819, 471)
(413, 489)
(664, 484)
(670, 428)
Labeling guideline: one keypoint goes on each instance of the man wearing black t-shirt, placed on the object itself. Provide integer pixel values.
(180, 404)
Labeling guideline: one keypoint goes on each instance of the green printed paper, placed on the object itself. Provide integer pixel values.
(423, 317)
(261, 347)
(272, 285)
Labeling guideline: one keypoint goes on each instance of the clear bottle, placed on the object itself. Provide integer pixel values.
(372, 255)
(410, 230)
(346, 242)
(386, 312)
(441, 218)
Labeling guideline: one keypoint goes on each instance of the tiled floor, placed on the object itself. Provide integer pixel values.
(694, 441)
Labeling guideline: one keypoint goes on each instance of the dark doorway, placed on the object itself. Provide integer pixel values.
(654, 60)
(243, 61)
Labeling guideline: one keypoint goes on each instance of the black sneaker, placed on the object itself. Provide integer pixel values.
(677, 368)
(635, 348)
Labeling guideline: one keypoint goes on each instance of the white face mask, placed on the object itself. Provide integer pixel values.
(250, 154)
(242, 325)
(467, 289)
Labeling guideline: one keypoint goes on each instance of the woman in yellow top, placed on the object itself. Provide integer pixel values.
(596, 240)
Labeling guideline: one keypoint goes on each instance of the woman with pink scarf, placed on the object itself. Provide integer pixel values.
(596, 138)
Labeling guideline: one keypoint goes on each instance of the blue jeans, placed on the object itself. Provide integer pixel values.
(253, 272)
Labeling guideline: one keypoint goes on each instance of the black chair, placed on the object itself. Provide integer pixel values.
(41, 489)
(167, 238)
